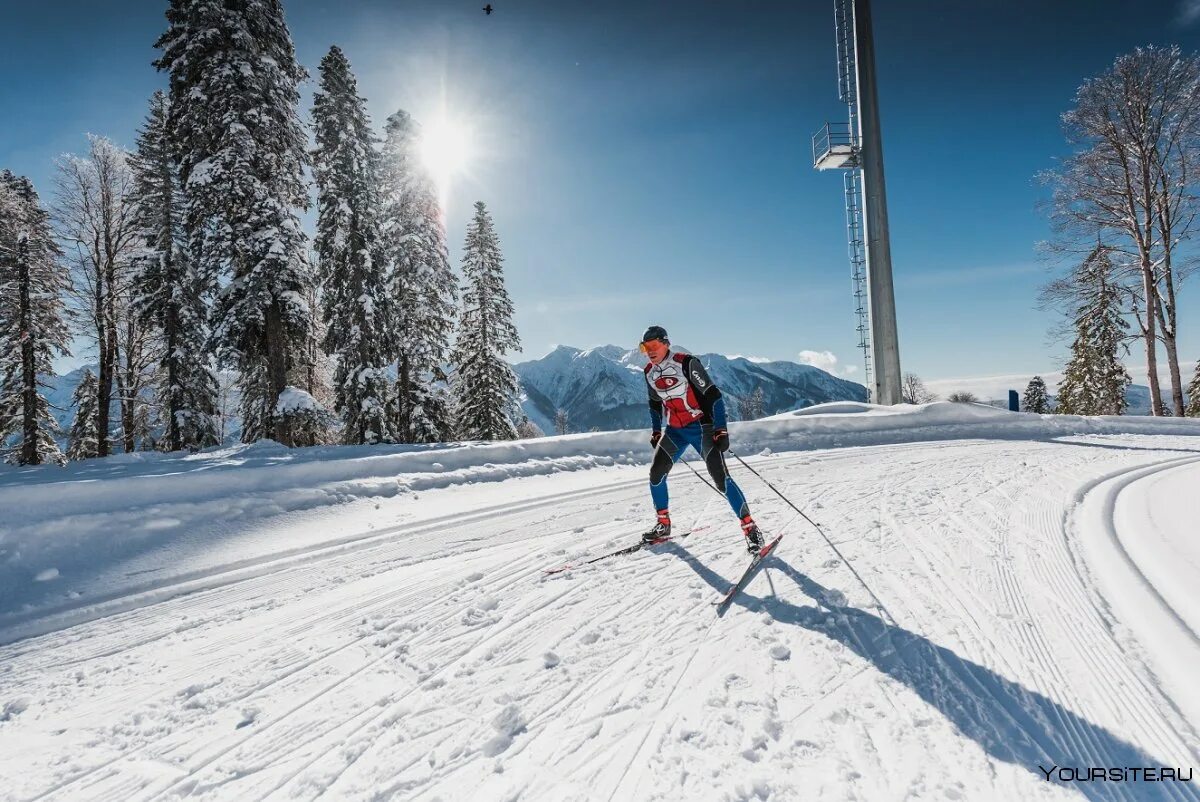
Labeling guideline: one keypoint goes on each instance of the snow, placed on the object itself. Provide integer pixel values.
(293, 400)
(374, 622)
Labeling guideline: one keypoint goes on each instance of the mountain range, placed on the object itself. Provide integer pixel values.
(604, 388)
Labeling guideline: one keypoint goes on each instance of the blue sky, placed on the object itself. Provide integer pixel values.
(651, 161)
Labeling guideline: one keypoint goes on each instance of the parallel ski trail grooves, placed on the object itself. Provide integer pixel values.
(273, 584)
(1175, 737)
(439, 662)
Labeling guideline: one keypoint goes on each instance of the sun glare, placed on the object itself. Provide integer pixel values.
(446, 151)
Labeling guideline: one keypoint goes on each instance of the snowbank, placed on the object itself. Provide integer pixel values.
(106, 509)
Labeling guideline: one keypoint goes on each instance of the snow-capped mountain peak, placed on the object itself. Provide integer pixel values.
(602, 387)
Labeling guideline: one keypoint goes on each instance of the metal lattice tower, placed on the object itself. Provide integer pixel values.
(858, 266)
(837, 146)
(855, 148)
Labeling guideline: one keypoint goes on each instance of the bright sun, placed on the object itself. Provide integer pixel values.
(446, 151)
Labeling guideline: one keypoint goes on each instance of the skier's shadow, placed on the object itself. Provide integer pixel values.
(1010, 722)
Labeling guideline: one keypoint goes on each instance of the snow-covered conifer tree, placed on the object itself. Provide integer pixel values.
(1193, 393)
(753, 406)
(33, 282)
(1095, 381)
(352, 266)
(84, 439)
(485, 386)
(1036, 399)
(241, 152)
(170, 294)
(423, 286)
(562, 422)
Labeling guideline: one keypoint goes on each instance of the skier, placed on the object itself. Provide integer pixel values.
(679, 385)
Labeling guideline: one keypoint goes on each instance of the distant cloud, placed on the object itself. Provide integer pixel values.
(825, 360)
(1189, 11)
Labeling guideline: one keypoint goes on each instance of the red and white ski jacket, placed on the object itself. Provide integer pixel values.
(679, 385)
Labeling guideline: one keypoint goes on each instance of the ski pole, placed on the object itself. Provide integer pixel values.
(710, 486)
(820, 531)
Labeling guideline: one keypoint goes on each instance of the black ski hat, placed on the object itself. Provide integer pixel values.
(655, 333)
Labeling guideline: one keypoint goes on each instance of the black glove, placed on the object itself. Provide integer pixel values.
(655, 436)
(721, 440)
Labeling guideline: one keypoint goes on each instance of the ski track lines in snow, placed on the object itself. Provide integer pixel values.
(44, 619)
(436, 661)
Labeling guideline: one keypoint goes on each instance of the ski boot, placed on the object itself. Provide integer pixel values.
(754, 535)
(660, 530)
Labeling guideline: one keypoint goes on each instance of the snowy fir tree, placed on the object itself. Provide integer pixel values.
(32, 327)
(84, 440)
(1193, 393)
(355, 304)
(1095, 381)
(753, 406)
(170, 294)
(1036, 399)
(422, 286)
(562, 422)
(240, 146)
(485, 386)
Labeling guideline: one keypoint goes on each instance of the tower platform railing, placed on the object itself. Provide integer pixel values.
(835, 147)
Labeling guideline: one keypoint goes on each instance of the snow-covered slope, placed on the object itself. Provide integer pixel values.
(375, 623)
(604, 388)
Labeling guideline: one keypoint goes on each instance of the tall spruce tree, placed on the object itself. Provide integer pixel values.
(1095, 381)
(241, 152)
(84, 441)
(1036, 399)
(170, 294)
(422, 286)
(33, 282)
(351, 262)
(485, 386)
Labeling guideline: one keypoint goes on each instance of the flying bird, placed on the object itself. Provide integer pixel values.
(488, 9)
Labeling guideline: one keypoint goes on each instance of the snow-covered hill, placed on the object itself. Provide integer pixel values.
(603, 388)
(375, 623)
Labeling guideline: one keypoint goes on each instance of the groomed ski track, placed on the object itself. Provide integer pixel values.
(1040, 622)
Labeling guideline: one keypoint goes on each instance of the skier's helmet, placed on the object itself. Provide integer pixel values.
(655, 333)
(655, 344)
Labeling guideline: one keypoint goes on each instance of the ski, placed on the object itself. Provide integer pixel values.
(722, 604)
(627, 550)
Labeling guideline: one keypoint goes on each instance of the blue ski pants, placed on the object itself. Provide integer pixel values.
(674, 442)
